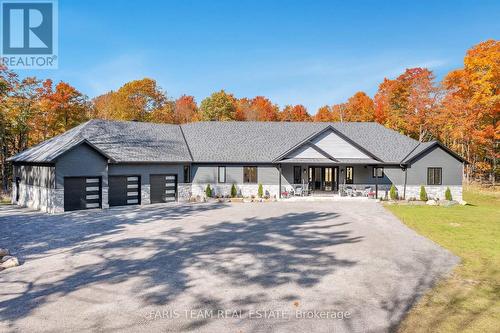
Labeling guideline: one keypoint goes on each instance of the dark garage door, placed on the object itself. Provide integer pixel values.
(163, 188)
(124, 190)
(82, 193)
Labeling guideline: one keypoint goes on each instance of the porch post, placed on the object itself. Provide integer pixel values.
(404, 187)
(376, 182)
(279, 182)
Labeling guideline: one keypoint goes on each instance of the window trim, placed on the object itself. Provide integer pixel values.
(218, 174)
(256, 174)
(187, 175)
(295, 167)
(352, 175)
(434, 169)
(374, 174)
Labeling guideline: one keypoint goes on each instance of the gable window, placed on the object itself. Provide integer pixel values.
(434, 176)
(249, 174)
(297, 175)
(187, 174)
(349, 175)
(378, 172)
(222, 174)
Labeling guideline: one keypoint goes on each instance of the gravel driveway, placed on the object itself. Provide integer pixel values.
(263, 267)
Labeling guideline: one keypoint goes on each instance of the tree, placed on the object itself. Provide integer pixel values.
(324, 114)
(407, 104)
(472, 106)
(295, 113)
(265, 109)
(219, 106)
(360, 107)
(447, 194)
(185, 110)
(260, 191)
(393, 194)
(339, 112)
(423, 194)
(139, 100)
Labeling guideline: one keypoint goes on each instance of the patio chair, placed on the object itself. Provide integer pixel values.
(349, 191)
(367, 191)
(299, 191)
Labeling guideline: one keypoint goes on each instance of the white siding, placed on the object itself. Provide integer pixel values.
(305, 152)
(337, 147)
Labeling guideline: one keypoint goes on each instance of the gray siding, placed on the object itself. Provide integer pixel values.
(83, 160)
(437, 157)
(266, 174)
(35, 175)
(144, 170)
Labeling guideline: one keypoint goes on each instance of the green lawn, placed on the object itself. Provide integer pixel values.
(469, 300)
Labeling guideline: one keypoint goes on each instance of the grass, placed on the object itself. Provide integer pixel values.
(469, 300)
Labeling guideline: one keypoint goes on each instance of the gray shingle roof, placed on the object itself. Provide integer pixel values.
(122, 141)
(258, 142)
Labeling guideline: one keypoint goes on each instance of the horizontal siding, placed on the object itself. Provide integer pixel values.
(144, 170)
(266, 175)
(81, 161)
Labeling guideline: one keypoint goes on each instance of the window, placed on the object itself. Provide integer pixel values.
(249, 174)
(297, 175)
(222, 174)
(378, 172)
(434, 176)
(349, 175)
(187, 174)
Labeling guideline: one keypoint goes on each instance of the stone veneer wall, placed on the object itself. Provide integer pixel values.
(245, 190)
(433, 192)
(145, 194)
(38, 197)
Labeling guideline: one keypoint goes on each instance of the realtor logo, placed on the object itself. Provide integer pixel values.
(29, 38)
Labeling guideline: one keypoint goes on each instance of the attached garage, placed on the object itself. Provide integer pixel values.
(163, 188)
(82, 193)
(124, 190)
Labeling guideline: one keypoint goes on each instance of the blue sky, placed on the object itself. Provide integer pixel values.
(308, 52)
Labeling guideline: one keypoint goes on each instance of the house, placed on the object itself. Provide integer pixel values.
(111, 163)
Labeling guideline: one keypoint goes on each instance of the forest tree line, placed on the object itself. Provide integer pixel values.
(461, 111)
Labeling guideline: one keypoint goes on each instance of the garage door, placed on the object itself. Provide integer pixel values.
(163, 188)
(124, 190)
(82, 193)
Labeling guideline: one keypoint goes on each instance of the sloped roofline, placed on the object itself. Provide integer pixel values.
(79, 143)
(434, 144)
(312, 136)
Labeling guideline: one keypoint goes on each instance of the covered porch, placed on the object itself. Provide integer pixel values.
(350, 178)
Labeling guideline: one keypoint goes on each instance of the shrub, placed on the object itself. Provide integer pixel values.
(234, 193)
(260, 191)
(392, 193)
(208, 191)
(423, 194)
(447, 194)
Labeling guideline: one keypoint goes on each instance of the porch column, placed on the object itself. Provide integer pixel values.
(404, 187)
(376, 182)
(279, 181)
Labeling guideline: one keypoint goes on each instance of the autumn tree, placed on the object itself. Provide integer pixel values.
(324, 114)
(185, 110)
(407, 103)
(139, 100)
(339, 112)
(219, 106)
(359, 107)
(295, 113)
(471, 108)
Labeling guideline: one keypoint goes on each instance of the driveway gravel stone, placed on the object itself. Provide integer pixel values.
(254, 267)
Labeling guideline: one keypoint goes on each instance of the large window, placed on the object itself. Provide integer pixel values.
(349, 175)
(222, 174)
(187, 174)
(378, 172)
(249, 174)
(434, 176)
(297, 175)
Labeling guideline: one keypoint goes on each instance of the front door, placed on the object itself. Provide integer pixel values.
(323, 178)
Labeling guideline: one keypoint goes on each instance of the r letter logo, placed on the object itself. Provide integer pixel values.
(29, 39)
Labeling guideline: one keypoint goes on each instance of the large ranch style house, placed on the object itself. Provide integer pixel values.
(101, 163)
